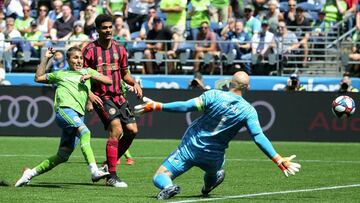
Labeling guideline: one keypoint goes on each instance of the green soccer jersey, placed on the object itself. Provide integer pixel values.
(200, 14)
(172, 17)
(70, 92)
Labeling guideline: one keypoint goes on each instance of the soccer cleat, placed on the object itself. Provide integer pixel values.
(115, 181)
(25, 178)
(130, 161)
(220, 178)
(98, 175)
(168, 192)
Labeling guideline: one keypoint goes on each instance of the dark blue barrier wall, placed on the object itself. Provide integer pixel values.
(298, 116)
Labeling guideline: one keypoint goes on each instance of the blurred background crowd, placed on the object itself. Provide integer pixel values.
(262, 37)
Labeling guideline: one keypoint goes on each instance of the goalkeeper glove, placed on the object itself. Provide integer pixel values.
(148, 106)
(285, 164)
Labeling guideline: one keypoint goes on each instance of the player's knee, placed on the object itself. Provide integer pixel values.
(64, 154)
(116, 132)
(83, 130)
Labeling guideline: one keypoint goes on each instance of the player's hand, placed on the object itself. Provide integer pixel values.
(138, 90)
(89, 106)
(49, 52)
(84, 78)
(95, 100)
(148, 106)
(285, 164)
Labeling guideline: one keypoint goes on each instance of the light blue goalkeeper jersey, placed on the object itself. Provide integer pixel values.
(225, 113)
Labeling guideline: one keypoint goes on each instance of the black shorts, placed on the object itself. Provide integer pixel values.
(111, 111)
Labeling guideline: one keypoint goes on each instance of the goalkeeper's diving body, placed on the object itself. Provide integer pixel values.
(70, 99)
(204, 142)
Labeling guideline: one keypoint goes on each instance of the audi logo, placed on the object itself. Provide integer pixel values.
(265, 104)
(14, 111)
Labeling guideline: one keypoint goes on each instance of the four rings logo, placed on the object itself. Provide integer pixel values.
(23, 106)
(264, 104)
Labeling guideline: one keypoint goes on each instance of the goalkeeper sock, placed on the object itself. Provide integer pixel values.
(124, 143)
(127, 154)
(111, 154)
(162, 181)
(48, 164)
(84, 134)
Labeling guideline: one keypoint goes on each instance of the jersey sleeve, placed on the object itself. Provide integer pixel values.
(207, 98)
(93, 72)
(88, 55)
(123, 59)
(52, 77)
(252, 122)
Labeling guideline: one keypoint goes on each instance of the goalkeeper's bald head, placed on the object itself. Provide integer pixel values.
(239, 81)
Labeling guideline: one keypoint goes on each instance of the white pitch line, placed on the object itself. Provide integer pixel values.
(268, 193)
(162, 158)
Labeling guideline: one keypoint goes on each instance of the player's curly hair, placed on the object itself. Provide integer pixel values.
(101, 19)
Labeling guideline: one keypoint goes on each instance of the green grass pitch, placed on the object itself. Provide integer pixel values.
(330, 173)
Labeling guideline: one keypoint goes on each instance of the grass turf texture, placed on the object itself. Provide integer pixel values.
(248, 171)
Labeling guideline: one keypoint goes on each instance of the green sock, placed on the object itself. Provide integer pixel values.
(85, 146)
(48, 164)
(127, 154)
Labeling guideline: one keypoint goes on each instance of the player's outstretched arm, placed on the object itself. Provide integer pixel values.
(40, 75)
(284, 163)
(194, 104)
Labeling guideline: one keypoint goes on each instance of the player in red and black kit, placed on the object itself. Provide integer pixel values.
(110, 58)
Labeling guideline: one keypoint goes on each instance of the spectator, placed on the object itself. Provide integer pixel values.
(78, 38)
(219, 11)
(273, 15)
(289, 15)
(148, 24)
(2, 22)
(354, 56)
(335, 10)
(293, 84)
(63, 27)
(117, 6)
(22, 24)
(160, 33)
(137, 13)
(56, 13)
(252, 24)
(89, 22)
(121, 32)
(346, 84)
(208, 46)
(236, 9)
(302, 27)
(286, 42)
(58, 63)
(35, 40)
(14, 8)
(262, 45)
(198, 14)
(11, 34)
(240, 44)
(176, 15)
(44, 22)
(229, 29)
(100, 9)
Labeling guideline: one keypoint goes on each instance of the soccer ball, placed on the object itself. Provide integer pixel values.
(343, 107)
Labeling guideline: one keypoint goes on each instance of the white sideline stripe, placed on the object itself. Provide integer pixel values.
(268, 193)
(162, 158)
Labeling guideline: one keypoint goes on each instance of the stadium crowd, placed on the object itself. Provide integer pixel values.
(206, 34)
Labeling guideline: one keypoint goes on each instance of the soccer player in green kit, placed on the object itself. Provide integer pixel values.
(71, 95)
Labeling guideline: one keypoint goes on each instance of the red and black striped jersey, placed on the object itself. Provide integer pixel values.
(109, 62)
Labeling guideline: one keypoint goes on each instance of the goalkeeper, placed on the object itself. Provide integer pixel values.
(204, 142)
